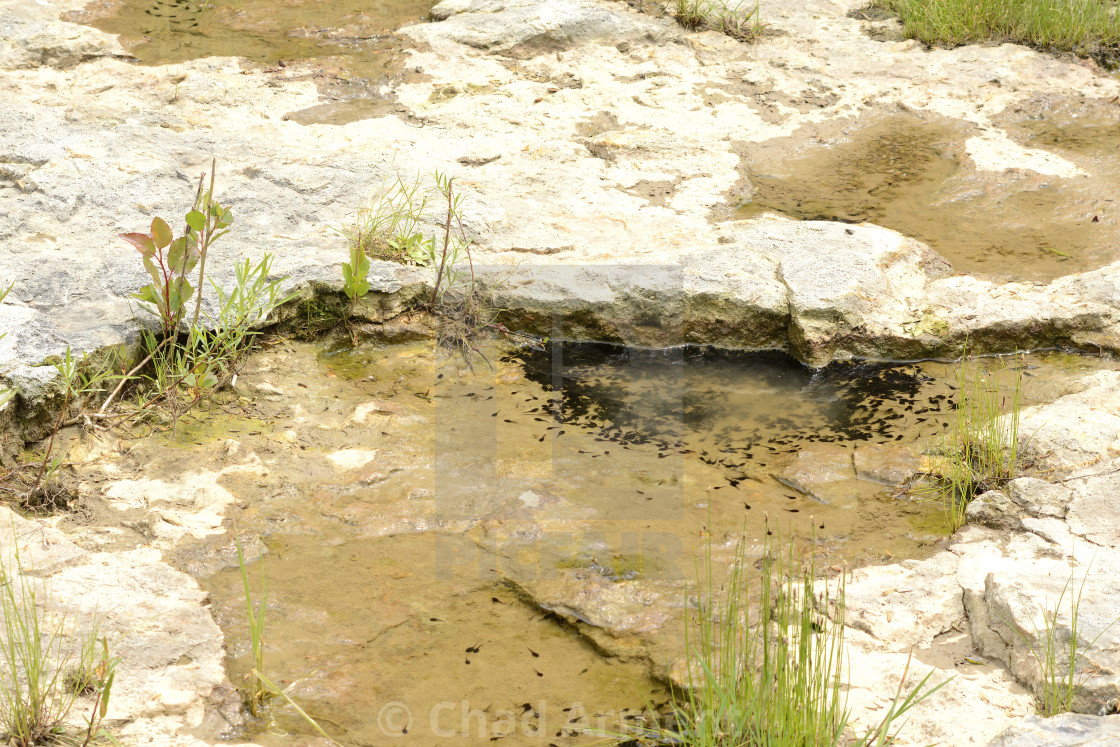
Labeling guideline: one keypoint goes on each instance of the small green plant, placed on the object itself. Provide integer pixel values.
(35, 702)
(260, 689)
(80, 381)
(83, 676)
(735, 21)
(394, 216)
(1058, 654)
(170, 260)
(257, 693)
(454, 248)
(764, 668)
(980, 448)
(206, 356)
(1083, 26)
(354, 273)
(5, 393)
(194, 356)
(101, 686)
(393, 228)
(786, 644)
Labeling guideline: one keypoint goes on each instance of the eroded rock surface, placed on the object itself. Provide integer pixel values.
(601, 154)
(171, 679)
(563, 114)
(1002, 584)
(1067, 730)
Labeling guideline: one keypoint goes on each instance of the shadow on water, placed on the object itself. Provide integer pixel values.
(747, 401)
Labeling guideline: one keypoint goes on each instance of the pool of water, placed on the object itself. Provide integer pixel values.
(435, 535)
(347, 47)
(911, 174)
(162, 32)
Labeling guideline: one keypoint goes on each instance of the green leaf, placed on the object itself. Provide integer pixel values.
(105, 694)
(177, 254)
(161, 232)
(347, 274)
(142, 241)
(147, 294)
(196, 220)
(153, 271)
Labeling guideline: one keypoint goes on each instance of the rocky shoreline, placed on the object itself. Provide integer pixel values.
(599, 149)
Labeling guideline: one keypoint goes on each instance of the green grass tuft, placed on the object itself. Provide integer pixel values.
(259, 689)
(765, 663)
(980, 448)
(1082, 26)
(255, 692)
(735, 21)
(1058, 654)
(37, 689)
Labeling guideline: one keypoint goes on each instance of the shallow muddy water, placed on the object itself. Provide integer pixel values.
(436, 537)
(169, 31)
(911, 174)
(347, 47)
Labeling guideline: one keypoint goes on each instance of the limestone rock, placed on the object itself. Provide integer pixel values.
(994, 509)
(1010, 618)
(1040, 498)
(852, 286)
(985, 692)
(57, 45)
(1065, 730)
(1078, 433)
(908, 604)
(171, 676)
(525, 28)
(704, 299)
(1092, 510)
(41, 549)
(626, 619)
